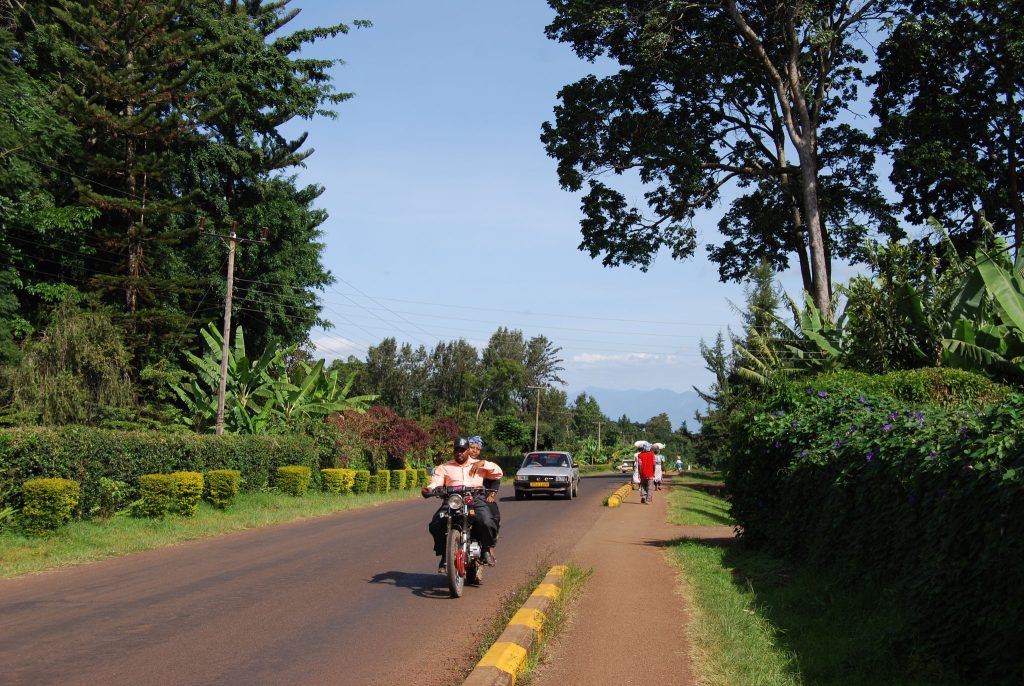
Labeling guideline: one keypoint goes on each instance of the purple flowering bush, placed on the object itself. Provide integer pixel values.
(924, 496)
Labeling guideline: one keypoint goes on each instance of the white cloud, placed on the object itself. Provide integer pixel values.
(618, 359)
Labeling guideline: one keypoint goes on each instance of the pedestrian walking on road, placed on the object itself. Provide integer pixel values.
(645, 470)
(659, 464)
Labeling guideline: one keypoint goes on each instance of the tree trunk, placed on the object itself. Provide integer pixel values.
(821, 288)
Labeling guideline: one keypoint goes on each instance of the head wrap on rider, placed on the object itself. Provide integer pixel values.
(476, 440)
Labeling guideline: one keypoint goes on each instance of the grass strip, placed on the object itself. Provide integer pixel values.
(693, 507)
(508, 605)
(756, 619)
(87, 541)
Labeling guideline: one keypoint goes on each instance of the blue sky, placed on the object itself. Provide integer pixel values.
(446, 218)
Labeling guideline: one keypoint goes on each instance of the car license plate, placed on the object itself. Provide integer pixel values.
(538, 484)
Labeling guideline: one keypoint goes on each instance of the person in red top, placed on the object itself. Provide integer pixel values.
(645, 468)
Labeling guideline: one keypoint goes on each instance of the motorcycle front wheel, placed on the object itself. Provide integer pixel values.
(456, 563)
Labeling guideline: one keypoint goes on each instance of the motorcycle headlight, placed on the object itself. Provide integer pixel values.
(455, 502)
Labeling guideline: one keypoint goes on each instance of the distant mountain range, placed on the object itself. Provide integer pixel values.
(642, 405)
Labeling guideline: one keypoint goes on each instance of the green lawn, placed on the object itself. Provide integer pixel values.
(693, 507)
(86, 541)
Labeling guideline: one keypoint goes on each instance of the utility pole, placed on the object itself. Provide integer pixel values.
(536, 417)
(232, 239)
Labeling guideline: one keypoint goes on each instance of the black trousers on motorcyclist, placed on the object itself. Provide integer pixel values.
(494, 484)
(484, 527)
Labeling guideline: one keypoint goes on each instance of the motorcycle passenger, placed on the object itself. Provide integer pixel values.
(462, 470)
(476, 444)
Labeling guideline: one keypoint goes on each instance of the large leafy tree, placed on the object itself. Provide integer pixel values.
(126, 68)
(713, 92)
(255, 84)
(948, 99)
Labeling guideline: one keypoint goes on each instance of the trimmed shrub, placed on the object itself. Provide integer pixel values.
(424, 477)
(157, 493)
(338, 480)
(188, 491)
(398, 479)
(293, 479)
(361, 481)
(47, 504)
(89, 454)
(222, 487)
(373, 485)
(384, 480)
(411, 478)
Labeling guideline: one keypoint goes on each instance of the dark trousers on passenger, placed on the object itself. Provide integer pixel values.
(484, 526)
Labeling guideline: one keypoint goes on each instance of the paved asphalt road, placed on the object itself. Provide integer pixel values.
(352, 598)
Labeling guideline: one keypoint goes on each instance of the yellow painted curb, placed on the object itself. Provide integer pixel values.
(508, 657)
(548, 590)
(616, 498)
(614, 501)
(508, 654)
(529, 617)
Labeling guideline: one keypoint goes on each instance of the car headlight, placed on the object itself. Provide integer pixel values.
(455, 502)
(561, 478)
(522, 477)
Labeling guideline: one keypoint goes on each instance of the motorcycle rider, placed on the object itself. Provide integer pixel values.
(476, 444)
(463, 470)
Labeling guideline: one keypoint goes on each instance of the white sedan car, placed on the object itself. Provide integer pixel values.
(548, 471)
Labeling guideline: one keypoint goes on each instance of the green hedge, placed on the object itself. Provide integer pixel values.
(411, 478)
(424, 477)
(927, 498)
(188, 491)
(293, 479)
(338, 481)
(87, 454)
(398, 477)
(157, 494)
(47, 504)
(383, 480)
(361, 481)
(222, 485)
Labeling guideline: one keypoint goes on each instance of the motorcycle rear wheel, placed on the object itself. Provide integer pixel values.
(456, 564)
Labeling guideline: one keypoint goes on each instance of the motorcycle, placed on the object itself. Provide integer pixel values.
(463, 553)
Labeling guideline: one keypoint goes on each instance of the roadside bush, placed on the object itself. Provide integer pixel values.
(293, 479)
(89, 454)
(113, 495)
(411, 478)
(188, 491)
(361, 481)
(926, 498)
(157, 493)
(398, 477)
(383, 480)
(373, 484)
(222, 486)
(338, 480)
(424, 477)
(47, 504)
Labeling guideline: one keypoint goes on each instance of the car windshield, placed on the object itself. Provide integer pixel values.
(554, 460)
